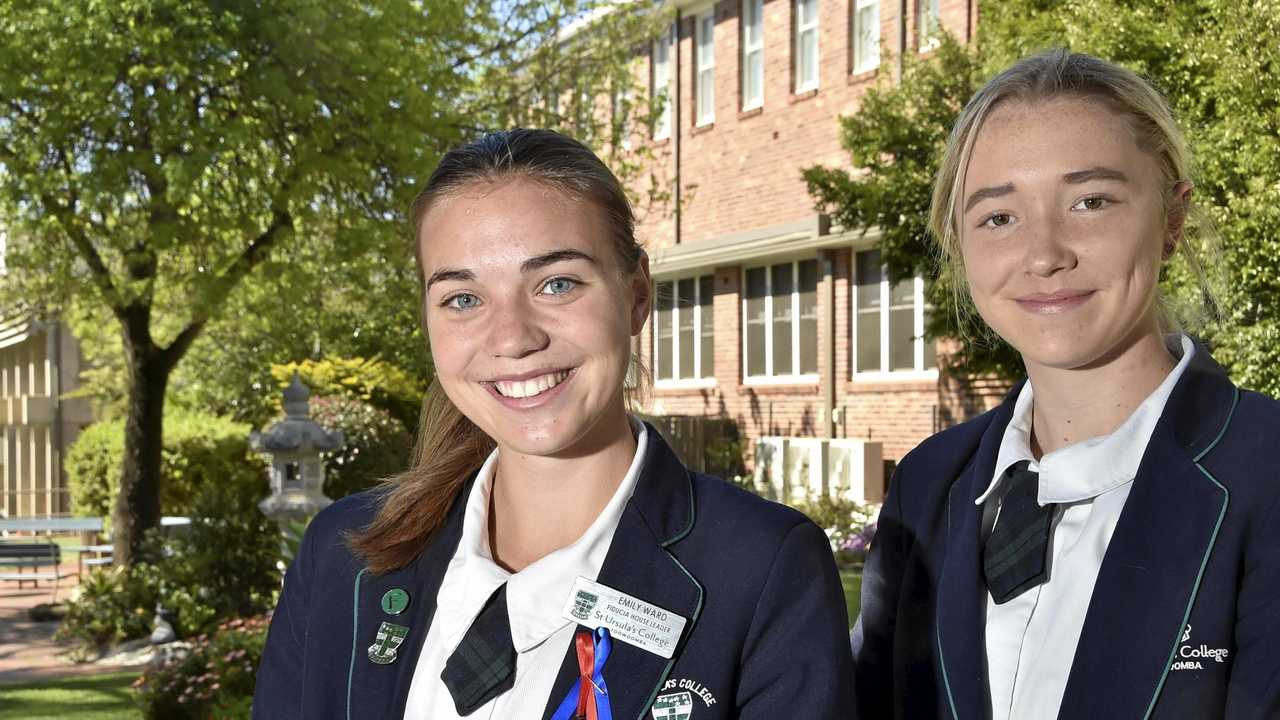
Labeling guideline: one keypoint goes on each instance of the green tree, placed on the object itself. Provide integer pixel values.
(895, 141)
(1215, 60)
(159, 156)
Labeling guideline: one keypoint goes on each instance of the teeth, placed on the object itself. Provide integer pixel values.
(532, 386)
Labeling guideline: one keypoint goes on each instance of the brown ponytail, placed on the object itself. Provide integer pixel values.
(450, 447)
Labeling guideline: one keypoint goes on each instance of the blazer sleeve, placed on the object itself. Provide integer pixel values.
(873, 633)
(1254, 688)
(279, 687)
(796, 660)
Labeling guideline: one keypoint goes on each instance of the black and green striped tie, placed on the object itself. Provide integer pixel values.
(1016, 556)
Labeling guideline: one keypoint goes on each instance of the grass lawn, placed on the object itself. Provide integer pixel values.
(97, 697)
(852, 582)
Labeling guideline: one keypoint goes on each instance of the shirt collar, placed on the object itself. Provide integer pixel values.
(535, 595)
(1091, 467)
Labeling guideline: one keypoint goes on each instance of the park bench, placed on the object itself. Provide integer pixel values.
(34, 555)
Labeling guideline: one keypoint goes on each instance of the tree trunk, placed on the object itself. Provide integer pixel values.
(138, 502)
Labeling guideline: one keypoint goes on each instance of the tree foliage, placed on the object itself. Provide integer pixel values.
(1215, 60)
(166, 163)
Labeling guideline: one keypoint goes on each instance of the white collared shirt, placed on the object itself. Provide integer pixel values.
(535, 599)
(1031, 640)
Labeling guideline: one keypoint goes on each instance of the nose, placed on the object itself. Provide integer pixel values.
(517, 331)
(1048, 250)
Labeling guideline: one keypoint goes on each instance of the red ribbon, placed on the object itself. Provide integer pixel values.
(586, 669)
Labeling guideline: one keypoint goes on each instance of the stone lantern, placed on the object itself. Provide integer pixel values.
(295, 444)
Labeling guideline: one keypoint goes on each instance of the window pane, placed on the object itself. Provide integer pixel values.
(782, 317)
(930, 346)
(868, 36)
(685, 301)
(662, 317)
(902, 346)
(868, 340)
(706, 298)
(755, 78)
(752, 11)
(757, 289)
(706, 97)
(868, 279)
(902, 293)
(809, 316)
(809, 58)
(808, 12)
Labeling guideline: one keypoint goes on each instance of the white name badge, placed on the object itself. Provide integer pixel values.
(627, 618)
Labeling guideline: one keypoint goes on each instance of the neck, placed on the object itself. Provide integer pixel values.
(540, 504)
(1075, 404)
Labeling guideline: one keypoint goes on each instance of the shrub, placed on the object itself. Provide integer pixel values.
(373, 381)
(849, 526)
(200, 451)
(221, 566)
(214, 680)
(377, 444)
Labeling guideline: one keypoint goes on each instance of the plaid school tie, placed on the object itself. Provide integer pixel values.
(1015, 558)
(484, 664)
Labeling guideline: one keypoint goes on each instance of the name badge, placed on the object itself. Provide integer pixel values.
(628, 618)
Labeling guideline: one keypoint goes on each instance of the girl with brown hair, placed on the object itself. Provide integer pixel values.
(547, 555)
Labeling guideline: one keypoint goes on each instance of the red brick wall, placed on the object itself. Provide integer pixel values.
(742, 173)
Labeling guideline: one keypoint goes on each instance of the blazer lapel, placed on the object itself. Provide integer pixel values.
(1152, 568)
(381, 690)
(659, 514)
(962, 590)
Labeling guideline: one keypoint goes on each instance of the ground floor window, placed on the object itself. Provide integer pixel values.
(780, 308)
(683, 329)
(888, 320)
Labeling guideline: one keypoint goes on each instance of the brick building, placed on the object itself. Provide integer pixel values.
(766, 314)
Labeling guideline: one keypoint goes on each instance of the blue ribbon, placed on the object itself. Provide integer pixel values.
(603, 644)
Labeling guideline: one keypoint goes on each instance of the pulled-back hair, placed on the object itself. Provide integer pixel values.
(1061, 73)
(449, 447)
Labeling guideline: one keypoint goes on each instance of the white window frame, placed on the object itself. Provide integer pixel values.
(918, 372)
(659, 85)
(699, 381)
(749, 49)
(803, 27)
(704, 68)
(622, 106)
(769, 378)
(928, 18)
(858, 31)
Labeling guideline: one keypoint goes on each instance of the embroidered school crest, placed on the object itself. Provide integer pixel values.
(384, 647)
(583, 603)
(673, 706)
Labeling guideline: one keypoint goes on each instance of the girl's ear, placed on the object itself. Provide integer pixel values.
(1176, 218)
(642, 294)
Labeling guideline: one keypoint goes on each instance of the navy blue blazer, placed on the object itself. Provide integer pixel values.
(1184, 621)
(767, 626)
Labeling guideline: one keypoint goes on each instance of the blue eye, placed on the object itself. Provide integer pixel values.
(559, 286)
(461, 301)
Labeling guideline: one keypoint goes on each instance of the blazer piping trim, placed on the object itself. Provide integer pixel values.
(1204, 562)
(687, 528)
(942, 659)
(697, 611)
(355, 633)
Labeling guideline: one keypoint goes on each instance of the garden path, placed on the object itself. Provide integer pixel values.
(28, 651)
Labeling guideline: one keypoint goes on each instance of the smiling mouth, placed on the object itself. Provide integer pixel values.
(519, 389)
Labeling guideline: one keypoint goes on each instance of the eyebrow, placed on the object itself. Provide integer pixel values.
(534, 263)
(1095, 173)
(1072, 178)
(987, 192)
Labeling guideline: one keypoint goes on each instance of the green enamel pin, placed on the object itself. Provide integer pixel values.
(394, 601)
